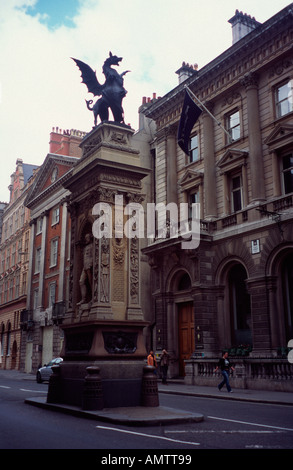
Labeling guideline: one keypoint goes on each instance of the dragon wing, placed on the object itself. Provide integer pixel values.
(89, 78)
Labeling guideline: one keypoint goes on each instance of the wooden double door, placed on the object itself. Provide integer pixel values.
(186, 334)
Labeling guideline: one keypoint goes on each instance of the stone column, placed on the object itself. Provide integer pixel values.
(224, 336)
(254, 137)
(209, 166)
(274, 313)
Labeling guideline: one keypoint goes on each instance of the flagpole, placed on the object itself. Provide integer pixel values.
(192, 95)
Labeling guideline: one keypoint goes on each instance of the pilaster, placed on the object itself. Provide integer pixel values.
(209, 165)
(171, 165)
(250, 82)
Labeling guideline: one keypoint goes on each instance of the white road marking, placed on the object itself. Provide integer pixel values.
(250, 424)
(257, 446)
(35, 391)
(3, 386)
(236, 431)
(147, 435)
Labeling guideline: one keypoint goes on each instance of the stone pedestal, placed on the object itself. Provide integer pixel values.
(104, 322)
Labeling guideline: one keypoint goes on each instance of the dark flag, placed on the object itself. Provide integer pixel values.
(189, 116)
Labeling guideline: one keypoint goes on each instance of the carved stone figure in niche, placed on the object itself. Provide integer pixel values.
(86, 278)
(105, 268)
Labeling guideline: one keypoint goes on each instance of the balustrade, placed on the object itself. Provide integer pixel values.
(252, 371)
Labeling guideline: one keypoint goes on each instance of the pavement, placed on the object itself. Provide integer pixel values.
(144, 416)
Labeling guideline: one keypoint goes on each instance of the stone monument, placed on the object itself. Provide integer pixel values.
(104, 351)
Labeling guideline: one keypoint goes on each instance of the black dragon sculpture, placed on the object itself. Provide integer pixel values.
(112, 91)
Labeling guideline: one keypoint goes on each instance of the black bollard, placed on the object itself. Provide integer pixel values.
(93, 392)
(54, 390)
(150, 394)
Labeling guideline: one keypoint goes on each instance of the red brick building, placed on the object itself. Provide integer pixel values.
(14, 264)
(48, 279)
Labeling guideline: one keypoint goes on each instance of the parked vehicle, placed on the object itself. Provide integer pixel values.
(45, 372)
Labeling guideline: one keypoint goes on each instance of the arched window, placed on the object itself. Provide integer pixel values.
(184, 282)
(240, 311)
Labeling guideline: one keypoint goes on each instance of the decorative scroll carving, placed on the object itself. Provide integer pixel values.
(251, 79)
(88, 149)
(229, 100)
(118, 271)
(118, 138)
(120, 180)
(280, 67)
(118, 250)
(105, 194)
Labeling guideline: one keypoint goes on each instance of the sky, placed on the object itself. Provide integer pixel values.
(40, 85)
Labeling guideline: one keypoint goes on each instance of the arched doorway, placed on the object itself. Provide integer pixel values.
(280, 274)
(14, 355)
(239, 306)
(185, 334)
(287, 291)
(185, 322)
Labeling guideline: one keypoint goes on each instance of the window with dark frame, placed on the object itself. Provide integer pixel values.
(55, 216)
(54, 252)
(52, 294)
(284, 99)
(236, 193)
(193, 198)
(38, 260)
(287, 169)
(193, 149)
(233, 125)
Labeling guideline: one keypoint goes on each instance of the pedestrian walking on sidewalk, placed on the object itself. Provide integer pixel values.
(225, 366)
(164, 362)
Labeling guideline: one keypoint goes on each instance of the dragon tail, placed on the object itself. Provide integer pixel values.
(88, 103)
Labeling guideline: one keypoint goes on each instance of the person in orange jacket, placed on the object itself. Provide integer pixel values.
(151, 359)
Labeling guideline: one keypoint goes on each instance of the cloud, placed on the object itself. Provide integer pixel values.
(41, 86)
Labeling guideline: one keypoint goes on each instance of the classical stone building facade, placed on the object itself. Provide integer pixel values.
(235, 290)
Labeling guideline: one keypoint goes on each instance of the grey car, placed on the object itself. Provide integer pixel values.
(45, 372)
